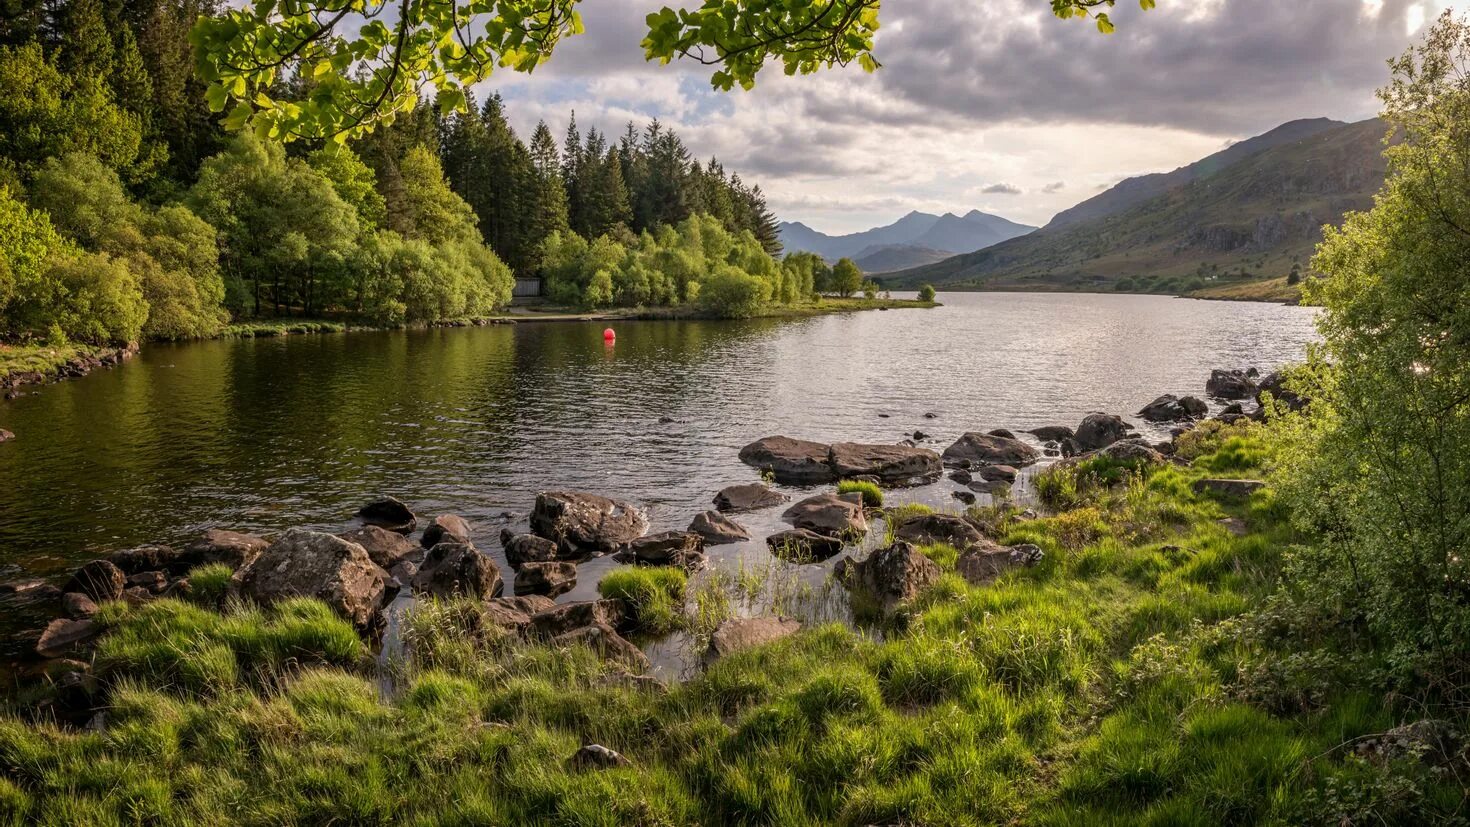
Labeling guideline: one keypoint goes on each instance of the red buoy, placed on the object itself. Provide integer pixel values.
(608, 335)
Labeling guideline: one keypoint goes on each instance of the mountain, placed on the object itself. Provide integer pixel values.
(1257, 216)
(948, 233)
(886, 258)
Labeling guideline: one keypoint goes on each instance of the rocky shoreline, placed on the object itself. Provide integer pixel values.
(73, 368)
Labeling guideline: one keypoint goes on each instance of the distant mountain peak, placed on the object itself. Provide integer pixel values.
(925, 233)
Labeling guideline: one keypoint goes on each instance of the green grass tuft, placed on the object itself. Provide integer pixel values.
(872, 494)
(655, 594)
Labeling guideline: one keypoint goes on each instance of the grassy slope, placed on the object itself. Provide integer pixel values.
(1112, 684)
(1268, 290)
(38, 358)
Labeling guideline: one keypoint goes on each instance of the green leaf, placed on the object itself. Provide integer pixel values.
(216, 97)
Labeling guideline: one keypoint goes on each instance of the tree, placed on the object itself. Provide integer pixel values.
(926, 293)
(846, 277)
(451, 46)
(354, 183)
(46, 113)
(547, 210)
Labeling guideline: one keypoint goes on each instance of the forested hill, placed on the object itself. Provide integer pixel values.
(1256, 218)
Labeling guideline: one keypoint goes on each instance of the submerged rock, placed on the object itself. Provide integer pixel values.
(100, 580)
(385, 548)
(547, 579)
(314, 564)
(891, 576)
(582, 524)
(457, 570)
(742, 633)
(521, 549)
(751, 497)
(447, 528)
(389, 513)
(987, 449)
(717, 529)
(830, 514)
(800, 545)
(886, 463)
(981, 566)
(1099, 430)
(790, 460)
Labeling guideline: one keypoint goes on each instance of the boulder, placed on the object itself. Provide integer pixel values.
(149, 558)
(1052, 433)
(963, 496)
(802, 546)
(1230, 384)
(1133, 450)
(62, 635)
(389, 513)
(100, 580)
(607, 643)
(153, 581)
(232, 548)
(447, 528)
(1170, 408)
(456, 569)
(515, 612)
(997, 473)
(717, 529)
(1275, 384)
(521, 549)
(78, 606)
(984, 565)
(751, 497)
(962, 476)
(1231, 489)
(742, 633)
(596, 757)
(891, 575)
(669, 548)
(559, 620)
(987, 449)
(888, 463)
(828, 514)
(582, 524)
(1003, 433)
(385, 548)
(941, 528)
(548, 579)
(1099, 430)
(314, 564)
(795, 461)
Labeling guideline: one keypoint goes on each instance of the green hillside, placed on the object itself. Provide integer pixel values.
(1251, 221)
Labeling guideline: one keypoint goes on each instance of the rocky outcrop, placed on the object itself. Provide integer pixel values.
(802, 546)
(941, 528)
(717, 529)
(1170, 408)
(313, 564)
(984, 565)
(546, 579)
(389, 513)
(988, 449)
(100, 580)
(521, 549)
(447, 528)
(457, 570)
(1099, 430)
(1230, 384)
(889, 464)
(794, 461)
(830, 514)
(741, 633)
(232, 548)
(1229, 489)
(751, 497)
(582, 524)
(891, 576)
(385, 548)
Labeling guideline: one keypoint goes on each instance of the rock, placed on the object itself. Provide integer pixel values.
(581, 524)
(994, 488)
(62, 635)
(888, 463)
(608, 644)
(1238, 489)
(802, 546)
(78, 606)
(919, 436)
(596, 757)
(1234, 525)
(153, 581)
(232, 548)
(149, 558)
(1275, 385)
(1099, 430)
(1432, 742)
(6, 436)
(456, 569)
(515, 612)
(1170, 408)
(559, 620)
(1233, 408)
(962, 476)
(447, 528)
(136, 595)
(521, 549)
(1003, 433)
(931, 415)
(389, 513)
(985, 449)
(1230, 384)
(30, 591)
(100, 580)
(717, 529)
(548, 579)
(180, 589)
(963, 496)
(891, 575)
(385, 548)
(980, 566)
(752, 497)
(1052, 433)
(828, 514)
(997, 473)
(742, 633)
(790, 460)
(669, 548)
(314, 564)
(1132, 450)
(941, 528)
(1194, 406)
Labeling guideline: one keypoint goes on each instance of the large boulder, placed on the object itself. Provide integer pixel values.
(232, 548)
(582, 524)
(457, 570)
(384, 547)
(547, 579)
(314, 564)
(668, 548)
(1170, 408)
(941, 528)
(751, 497)
(521, 549)
(447, 528)
(888, 463)
(745, 632)
(802, 546)
(559, 620)
(100, 580)
(515, 613)
(983, 565)
(1052, 433)
(891, 575)
(829, 514)
(63, 635)
(795, 461)
(988, 449)
(149, 558)
(1132, 450)
(1230, 384)
(389, 513)
(1099, 430)
(717, 529)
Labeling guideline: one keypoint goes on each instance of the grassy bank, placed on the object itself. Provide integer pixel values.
(42, 359)
(1268, 290)
(1143, 673)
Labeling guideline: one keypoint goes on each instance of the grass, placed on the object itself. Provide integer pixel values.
(1262, 290)
(1142, 673)
(43, 359)
(872, 494)
(654, 593)
(263, 328)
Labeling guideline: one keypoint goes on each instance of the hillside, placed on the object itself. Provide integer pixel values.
(1254, 219)
(948, 233)
(891, 257)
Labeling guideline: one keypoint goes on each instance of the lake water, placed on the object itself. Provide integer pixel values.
(266, 434)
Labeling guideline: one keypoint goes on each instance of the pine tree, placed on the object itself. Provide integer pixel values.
(663, 193)
(83, 45)
(547, 208)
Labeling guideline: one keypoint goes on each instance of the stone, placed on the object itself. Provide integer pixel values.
(751, 497)
(963, 496)
(607, 643)
(802, 546)
(1230, 384)
(892, 575)
(1236, 489)
(919, 436)
(717, 529)
(1170, 408)
(828, 514)
(980, 566)
(315, 564)
(447, 528)
(1003, 433)
(149, 558)
(385, 548)
(1194, 406)
(515, 612)
(1234, 525)
(564, 618)
(1132, 450)
(997, 473)
(548, 579)
(596, 757)
(669, 548)
(78, 606)
(742, 633)
(153, 581)
(962, 476)
(62, 635)
(457, 570)
(888, 463)
(1099, 430)
(232, 548)
(521, 549)
(100, 580)
(582, 524)
(136, 595)
(30, 591)
(6, 436)
(389, 513)
(1275, 384)
(1052, 433)
(986, 449)
(949, 529)
(795, 461)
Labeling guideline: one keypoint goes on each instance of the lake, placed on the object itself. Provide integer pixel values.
(267, 434)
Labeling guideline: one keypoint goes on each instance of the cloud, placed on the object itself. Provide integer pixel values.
(1054, 187)
(1001, 189)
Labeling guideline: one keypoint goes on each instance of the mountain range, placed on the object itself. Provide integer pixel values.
(1252, 212)
(917, 238)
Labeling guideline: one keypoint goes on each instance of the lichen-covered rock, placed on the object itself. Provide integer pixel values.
(888, 464)
(582, 524)
(232, 548)
(795, 461)
(744, 632)
(988, 449)
(385, 548)
(891, 576)
(829, 514)
(548, 579)
(949, 529)
(457, 570)
(447, 528)
(100, 580)
(983, 565)
(751, 497)
(389, 513)
(315, 564)
(717, 529)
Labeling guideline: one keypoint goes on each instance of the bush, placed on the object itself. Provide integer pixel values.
(731, 294)
(872, 494)
(926, 293)
(655, 594)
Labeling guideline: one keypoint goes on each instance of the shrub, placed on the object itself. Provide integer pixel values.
(926, 293)
(872, 494)
(655, 594)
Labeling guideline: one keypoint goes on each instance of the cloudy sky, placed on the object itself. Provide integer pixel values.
(989, 104)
